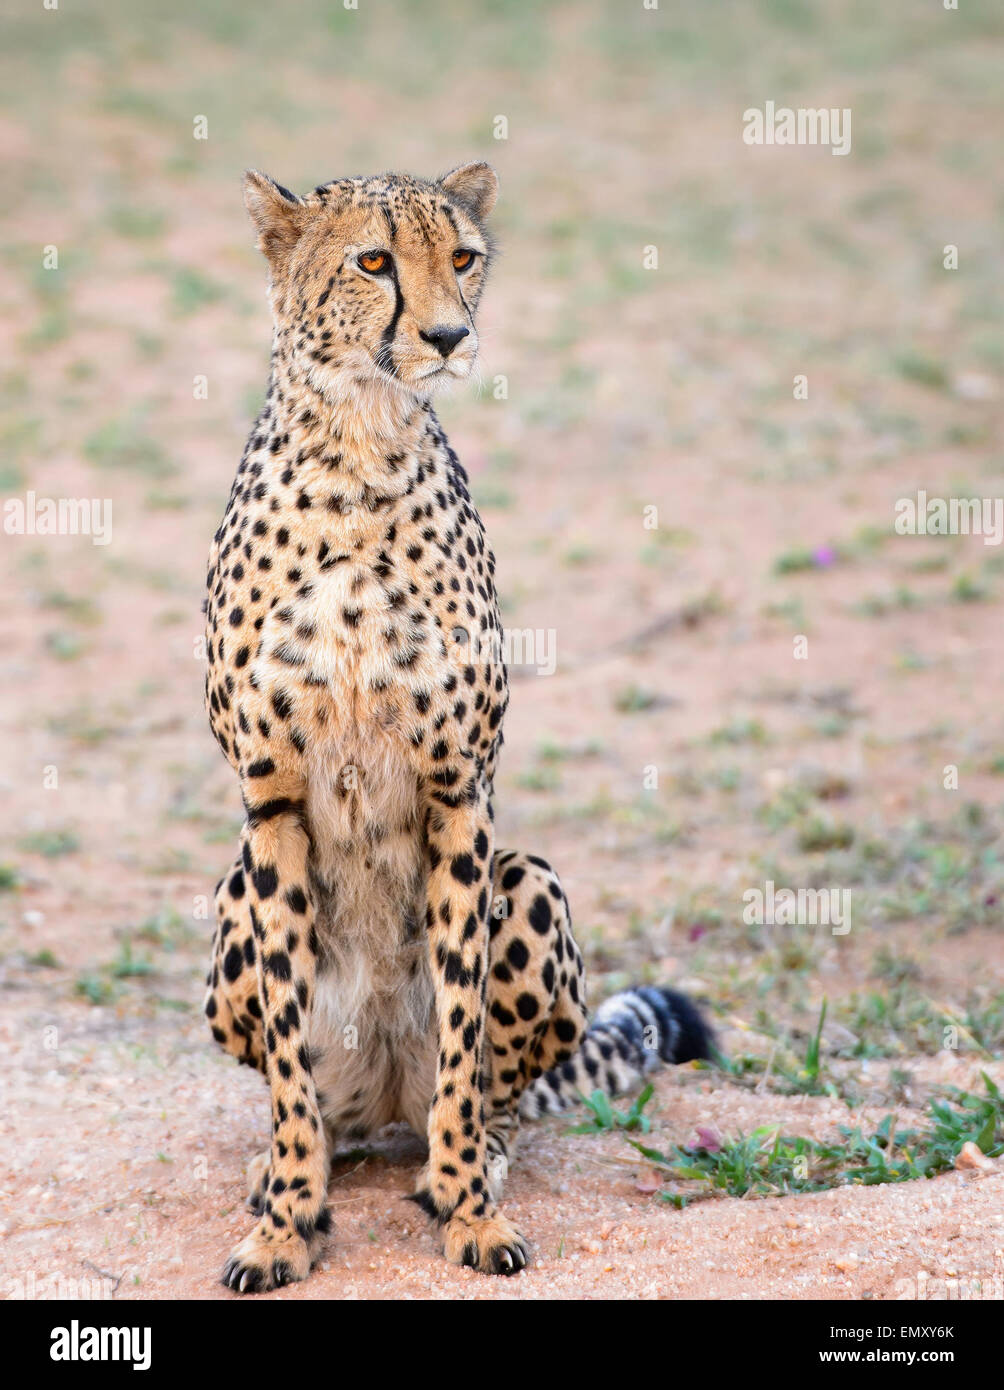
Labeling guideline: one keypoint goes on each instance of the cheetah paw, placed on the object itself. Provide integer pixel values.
(265, 1260)
(489, 1244)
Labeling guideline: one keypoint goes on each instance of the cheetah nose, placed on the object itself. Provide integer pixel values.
(446, 339)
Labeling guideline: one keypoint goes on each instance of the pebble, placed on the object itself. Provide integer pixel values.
(971, 1158)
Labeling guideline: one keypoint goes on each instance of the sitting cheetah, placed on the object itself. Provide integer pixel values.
(375, 956)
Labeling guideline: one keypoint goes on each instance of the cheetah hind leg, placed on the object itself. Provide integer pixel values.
(535, 997)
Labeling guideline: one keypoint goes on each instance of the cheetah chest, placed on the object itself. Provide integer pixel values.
(351, 654)
(371, 1036)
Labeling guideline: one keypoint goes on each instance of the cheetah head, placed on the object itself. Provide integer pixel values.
(377, 278)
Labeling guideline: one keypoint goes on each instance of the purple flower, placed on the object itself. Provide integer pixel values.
(708, 1139)
(824, 556)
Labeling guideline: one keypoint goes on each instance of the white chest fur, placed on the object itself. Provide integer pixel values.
(371, 1029)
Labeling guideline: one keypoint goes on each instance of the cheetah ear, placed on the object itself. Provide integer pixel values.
(278, 215)
(474, 185)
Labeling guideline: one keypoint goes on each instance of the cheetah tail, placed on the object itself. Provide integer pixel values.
(628, 1036)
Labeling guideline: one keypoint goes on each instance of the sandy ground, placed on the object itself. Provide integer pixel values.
(123, 1135)
(164, 1135)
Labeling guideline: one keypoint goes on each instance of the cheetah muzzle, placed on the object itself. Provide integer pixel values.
(375, 956)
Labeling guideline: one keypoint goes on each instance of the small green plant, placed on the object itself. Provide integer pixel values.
(156, 501)
(191, 290)
(820, 834)
(126, 966)
(94, 988)
(550, 751)
(65, 646)
(50, 843)
(879, 605)
(894, 967)
(789, 806)
(794, 561)
(812, 1062)
(768, 1163)
(789, 1072)
(488, 494)
(760, 1164)
(605, 1118)
(983, 1020)
(134, 221)
(922, 369)
(636, 698)
(79, 608)
(832, 726)
(539, 779)
(791, 610)
(740, 731)
(166, 929)
(101, 986)
(966, 589)
(124, 443)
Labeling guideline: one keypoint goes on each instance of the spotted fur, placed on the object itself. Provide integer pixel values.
(375, 956)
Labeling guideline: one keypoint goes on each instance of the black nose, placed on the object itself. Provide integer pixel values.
(446, 339)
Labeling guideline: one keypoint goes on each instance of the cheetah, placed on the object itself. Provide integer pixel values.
(375, 956)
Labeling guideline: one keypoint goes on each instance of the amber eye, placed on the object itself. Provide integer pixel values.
(375, 262)
(463, 260)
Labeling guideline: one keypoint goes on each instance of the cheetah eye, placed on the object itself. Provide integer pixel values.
(375, 262)
(463, 260)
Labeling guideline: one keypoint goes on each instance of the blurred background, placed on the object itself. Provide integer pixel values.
(661, 286)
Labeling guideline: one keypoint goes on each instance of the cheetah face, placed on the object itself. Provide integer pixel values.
(377, 278)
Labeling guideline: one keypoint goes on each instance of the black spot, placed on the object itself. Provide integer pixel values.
(233, 963)
(282, 704)
(540, 915)
(277, 964)
(527, 1007)
(462, 869)
(265, 881)
(517, 955)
